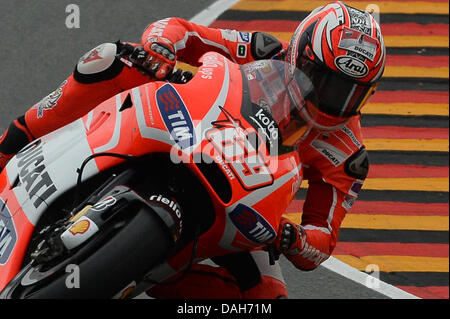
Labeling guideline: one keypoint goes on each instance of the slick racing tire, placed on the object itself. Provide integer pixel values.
(103, 269)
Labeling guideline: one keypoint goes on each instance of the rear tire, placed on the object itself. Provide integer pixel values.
(125, 257)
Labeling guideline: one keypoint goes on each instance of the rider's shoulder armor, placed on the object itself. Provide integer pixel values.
(357, 165)
(264, 45)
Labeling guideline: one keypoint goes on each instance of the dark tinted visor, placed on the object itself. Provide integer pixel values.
(335, 94)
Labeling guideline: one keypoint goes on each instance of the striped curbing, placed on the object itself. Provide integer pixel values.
(400, 221)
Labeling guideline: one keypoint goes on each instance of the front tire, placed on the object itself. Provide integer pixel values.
(130, 253)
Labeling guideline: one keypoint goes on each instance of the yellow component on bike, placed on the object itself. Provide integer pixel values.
(80, 213)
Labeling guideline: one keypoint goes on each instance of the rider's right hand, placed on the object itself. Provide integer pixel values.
(291, 238)
(160, 59)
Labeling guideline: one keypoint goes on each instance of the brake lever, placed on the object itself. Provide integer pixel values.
(125, 56)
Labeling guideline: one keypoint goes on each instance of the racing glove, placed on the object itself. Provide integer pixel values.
(160, 58)
(291, 238)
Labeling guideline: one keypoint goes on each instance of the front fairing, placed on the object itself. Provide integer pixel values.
(245, 144)
(207, 120)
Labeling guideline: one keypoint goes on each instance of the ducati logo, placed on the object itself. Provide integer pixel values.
(92, 56)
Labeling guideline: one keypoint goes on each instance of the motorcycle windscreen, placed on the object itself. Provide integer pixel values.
(278, 95)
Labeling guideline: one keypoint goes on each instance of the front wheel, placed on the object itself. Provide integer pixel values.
(134, 247)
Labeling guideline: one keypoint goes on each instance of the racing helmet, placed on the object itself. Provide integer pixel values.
(341, 52)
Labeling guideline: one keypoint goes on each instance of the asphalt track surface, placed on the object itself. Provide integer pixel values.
(39, 51)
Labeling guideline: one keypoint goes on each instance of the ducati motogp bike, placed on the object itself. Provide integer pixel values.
(149, 182)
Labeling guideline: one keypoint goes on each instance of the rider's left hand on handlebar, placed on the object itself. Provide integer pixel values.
(160, 59)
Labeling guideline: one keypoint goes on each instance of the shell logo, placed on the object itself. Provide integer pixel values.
(80, 227)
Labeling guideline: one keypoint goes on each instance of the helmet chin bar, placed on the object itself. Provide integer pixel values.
(296, 97)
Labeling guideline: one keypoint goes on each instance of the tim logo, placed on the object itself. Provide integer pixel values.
(252, 225)
(8, 235)
(175, 116)
(356, 188)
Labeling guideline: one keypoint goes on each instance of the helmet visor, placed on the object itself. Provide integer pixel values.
(334, 94)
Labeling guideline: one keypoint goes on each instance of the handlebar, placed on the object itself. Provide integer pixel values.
(133, 57)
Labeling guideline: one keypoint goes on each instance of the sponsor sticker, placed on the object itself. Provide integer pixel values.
(8, 233)
(225, 167)
(80, 227)
(352, 136)
(230, 35)
(358, 42)
(356, 188)
(351, 66)
(331, 153)
(104, 203)
(360, 20)
(50, 101)
(174, 210)
(171, 204)
(242, 51)
(33, 174)
(264, 123)
(244, 37)
(79, 232)
(252, 225)
(348, 202)
(176, 116)
(92, 55)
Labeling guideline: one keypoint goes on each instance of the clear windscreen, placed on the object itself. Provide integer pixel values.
(277, 94)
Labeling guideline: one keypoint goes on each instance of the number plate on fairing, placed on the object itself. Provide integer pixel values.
(231, 141)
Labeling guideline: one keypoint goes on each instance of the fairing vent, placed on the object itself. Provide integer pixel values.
(216, 178)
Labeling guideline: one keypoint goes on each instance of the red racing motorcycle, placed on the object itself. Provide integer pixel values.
(152, 180)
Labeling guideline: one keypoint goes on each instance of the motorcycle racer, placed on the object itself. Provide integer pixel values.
(340, 48)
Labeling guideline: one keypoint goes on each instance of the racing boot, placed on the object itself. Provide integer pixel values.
(13, 140)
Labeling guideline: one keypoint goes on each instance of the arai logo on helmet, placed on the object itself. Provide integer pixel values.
(351, 66)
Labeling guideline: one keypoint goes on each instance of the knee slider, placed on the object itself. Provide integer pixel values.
(99, 64)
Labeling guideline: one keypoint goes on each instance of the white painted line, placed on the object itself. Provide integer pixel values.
(362, 278)
(210, 14)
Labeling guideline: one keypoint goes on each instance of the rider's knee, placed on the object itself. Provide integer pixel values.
(272, 284)
(268, 288)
